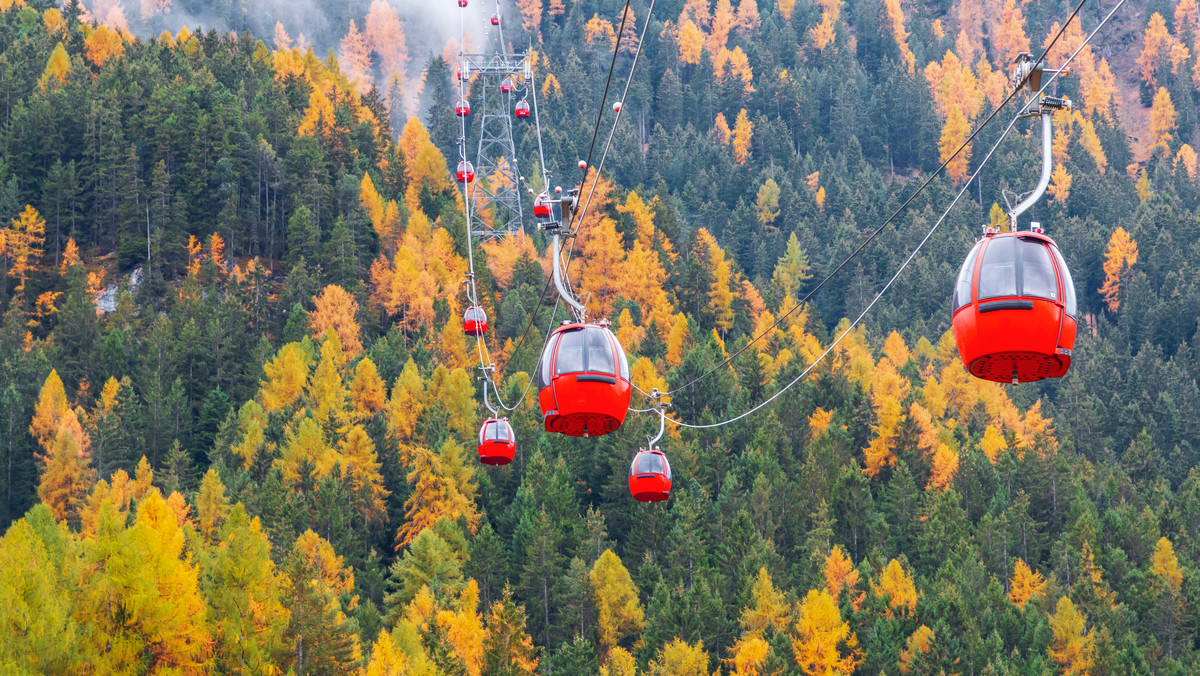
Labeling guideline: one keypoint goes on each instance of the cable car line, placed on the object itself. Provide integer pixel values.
(894, 214)
(587, 164)
(929, 234)
(604, 97)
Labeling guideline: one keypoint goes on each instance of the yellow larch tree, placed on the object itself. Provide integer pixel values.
(211, 505)
(1162, 123)
(57, 68)
(1165, 565)
(325, 387)
(462, 628)
(823, 643)
(599, 275)
(954, 134)
(743, 132)
(691, 43)
(619, 610)
(1186, 18)
(945, 467)
(163, 620)
(839, 573)
(23, 242)
(53, 20)
(993, 443)
(67, 477)
(679, 658)
(103, 45)
(1122, 253)
(286, 375)
(919, 643)
(766, 202)
(1025, 584)
(619, 663)
(305, 447)
(368, 392)
(823, 34)
(1188, 159)
(748, 21)
(49, 411)
(442, 487)
(1011, 39)
(749, 656)
(407, 402)
(599, 33)
(767, 607)
(1071, 645)
(786, 7)
(335, 309)
(896, 16)
(721, 131)
(531, 15)
(355, 58)
(361, 465)
(720, 293)
(897, 585)
(1157, 42)
(385, 36)
(1060, 183)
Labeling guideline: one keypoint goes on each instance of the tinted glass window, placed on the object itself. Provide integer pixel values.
(1067, 283)
(624, 363)
(570, 352)
(547, 356)
(962, 289)
(501, 433)
(650, 463)
(1037, 272)
(998, 276)
(599, 351)
(667, 467)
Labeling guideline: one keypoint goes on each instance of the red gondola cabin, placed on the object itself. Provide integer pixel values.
(497, 444)
(465, 173)
(521, 109)
(506, 85)
(650, 476)
(474, 321)
(1014, 309)
(583, 381)
(495, 19)
(462, 108)
(541, 206)
(462, 3)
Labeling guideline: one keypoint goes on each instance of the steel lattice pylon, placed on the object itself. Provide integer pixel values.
(496, 163)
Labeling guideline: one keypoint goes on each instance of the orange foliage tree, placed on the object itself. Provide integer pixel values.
(103, 45)
(823, 643)
(336, 310)
(954, 133)
(1162, 123)
(1025, 584)
(355, 58)
(1122, 253)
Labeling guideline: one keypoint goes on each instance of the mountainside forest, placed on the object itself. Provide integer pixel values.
(238, 412)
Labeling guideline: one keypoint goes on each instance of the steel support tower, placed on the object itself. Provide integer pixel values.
(498, 185)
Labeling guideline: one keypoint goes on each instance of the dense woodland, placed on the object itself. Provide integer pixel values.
(238, 412)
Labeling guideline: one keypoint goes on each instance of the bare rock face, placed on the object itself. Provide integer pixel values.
(106, 300)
